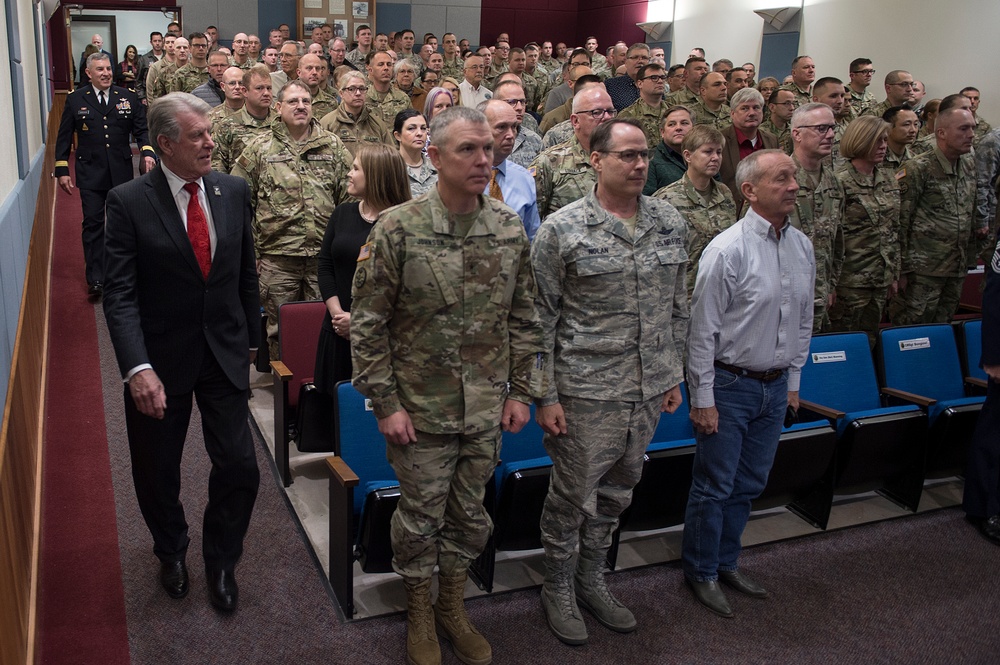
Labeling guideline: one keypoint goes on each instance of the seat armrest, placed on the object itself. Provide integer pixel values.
(280, 372)
(976, 381)
(821, 410)
(913, 398)
(341, 472)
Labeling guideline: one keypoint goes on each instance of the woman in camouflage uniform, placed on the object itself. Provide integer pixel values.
(706, 204)
(871, 230)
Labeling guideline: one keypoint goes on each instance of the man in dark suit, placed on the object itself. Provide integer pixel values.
(743, 138)
(981, 500)
(103, 116)
(181, 289)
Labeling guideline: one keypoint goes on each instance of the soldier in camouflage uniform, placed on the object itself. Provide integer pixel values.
(860, 97)
(447, 344)
(871, 230)
(987, 183)
(936, 219)
(780, 113)
(819, 204)
(903, 129)
(898, 91)
(982, 127)
(160, 73)
(383, 99)
(195, 72)
(232, 86)
(615, 313)
(233, 134)
(830, 91)
(711, 108)
(527, 143)
(803, 75)
(454, 66)
(649, 108)
(297, 175)
(563, 173)
(352, 122)
(707, 206)
(694, 69)
(313, 71)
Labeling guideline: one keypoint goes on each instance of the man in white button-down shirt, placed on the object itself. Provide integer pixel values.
(751, 322)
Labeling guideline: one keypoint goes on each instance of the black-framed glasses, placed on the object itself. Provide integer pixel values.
(864, 72)
(822, 130)
(597, 114)
(629, 156)
(516, 102)
(656, 78)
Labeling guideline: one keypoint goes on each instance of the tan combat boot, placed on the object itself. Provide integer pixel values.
(452, 621)
(592, 593)
(421, 641)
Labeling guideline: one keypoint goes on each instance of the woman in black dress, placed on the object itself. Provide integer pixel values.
(378, 178)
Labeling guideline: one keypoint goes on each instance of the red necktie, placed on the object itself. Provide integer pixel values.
(198, 230)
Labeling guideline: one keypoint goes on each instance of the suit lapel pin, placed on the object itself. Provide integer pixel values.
(217, 191)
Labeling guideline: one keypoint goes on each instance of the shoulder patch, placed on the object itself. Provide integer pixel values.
(531, 170)
(900, 174)
(366, 252)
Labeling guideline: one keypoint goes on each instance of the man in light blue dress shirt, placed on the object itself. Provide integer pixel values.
(751, 323)
(516, 185)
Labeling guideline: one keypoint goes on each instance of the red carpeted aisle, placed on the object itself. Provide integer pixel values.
(81, 607)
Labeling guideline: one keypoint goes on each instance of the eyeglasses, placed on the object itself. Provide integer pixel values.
(288, 55)
(909, 85)
(656, 78)
(355, 90)
(597, 114)
(629, 156)
(790, 104)
(475, 67)
(822, 130)
(638, 57)
(864, 72)
(517, 102)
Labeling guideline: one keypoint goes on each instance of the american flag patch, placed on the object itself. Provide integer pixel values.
(366, 252)
(901, 174)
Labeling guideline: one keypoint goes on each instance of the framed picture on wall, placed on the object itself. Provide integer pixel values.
(341, 28)
(310, 23)
(359, 10)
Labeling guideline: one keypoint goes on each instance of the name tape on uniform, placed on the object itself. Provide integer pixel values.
(829, 357)
(914, 344)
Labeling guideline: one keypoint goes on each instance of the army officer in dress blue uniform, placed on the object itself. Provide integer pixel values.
(103, 116)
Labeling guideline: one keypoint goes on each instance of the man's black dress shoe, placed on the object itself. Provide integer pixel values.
(96, 290)
(223, 590)
(174, 578)
(711, 596)
(742, 583)
(988, 526)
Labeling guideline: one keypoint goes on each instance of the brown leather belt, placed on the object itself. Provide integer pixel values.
(769, 375)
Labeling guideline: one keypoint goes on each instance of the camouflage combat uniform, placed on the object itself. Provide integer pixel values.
(784, 136)
(936, 221)
(323, 104)
(987, 183)
(356, 58)
(422, 178)
(861, 102)
(558, 134)
(892, 161)
(444, 325)
(706, 217)
(982, 129)
(294, 189)
(871, 249)
(682, 97)
(158, 79)
(562, 174)
(614, 313)
(819, 213)
(386, 106)
(801, 96)
(366, 129)
(702, 115)
(233, 134)
(187, 78)
(527, 145)
(220, 113)
(454, 68)
(536, 87)
(648, 117)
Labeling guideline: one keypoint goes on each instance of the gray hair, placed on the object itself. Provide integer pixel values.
(163, 113)
(745, 95)
(444, 119)
(99, 55)
(751, 170)
(353, 74)
(294, 83)
(798, 117)
(401, 64)
(299, 49)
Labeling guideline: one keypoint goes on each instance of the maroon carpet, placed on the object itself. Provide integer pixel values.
(81, 607)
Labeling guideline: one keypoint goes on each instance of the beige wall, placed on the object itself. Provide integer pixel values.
(947, 45)
(30, 65)
(8, 157)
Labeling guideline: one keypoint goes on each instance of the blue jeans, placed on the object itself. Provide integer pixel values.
(730, 470)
